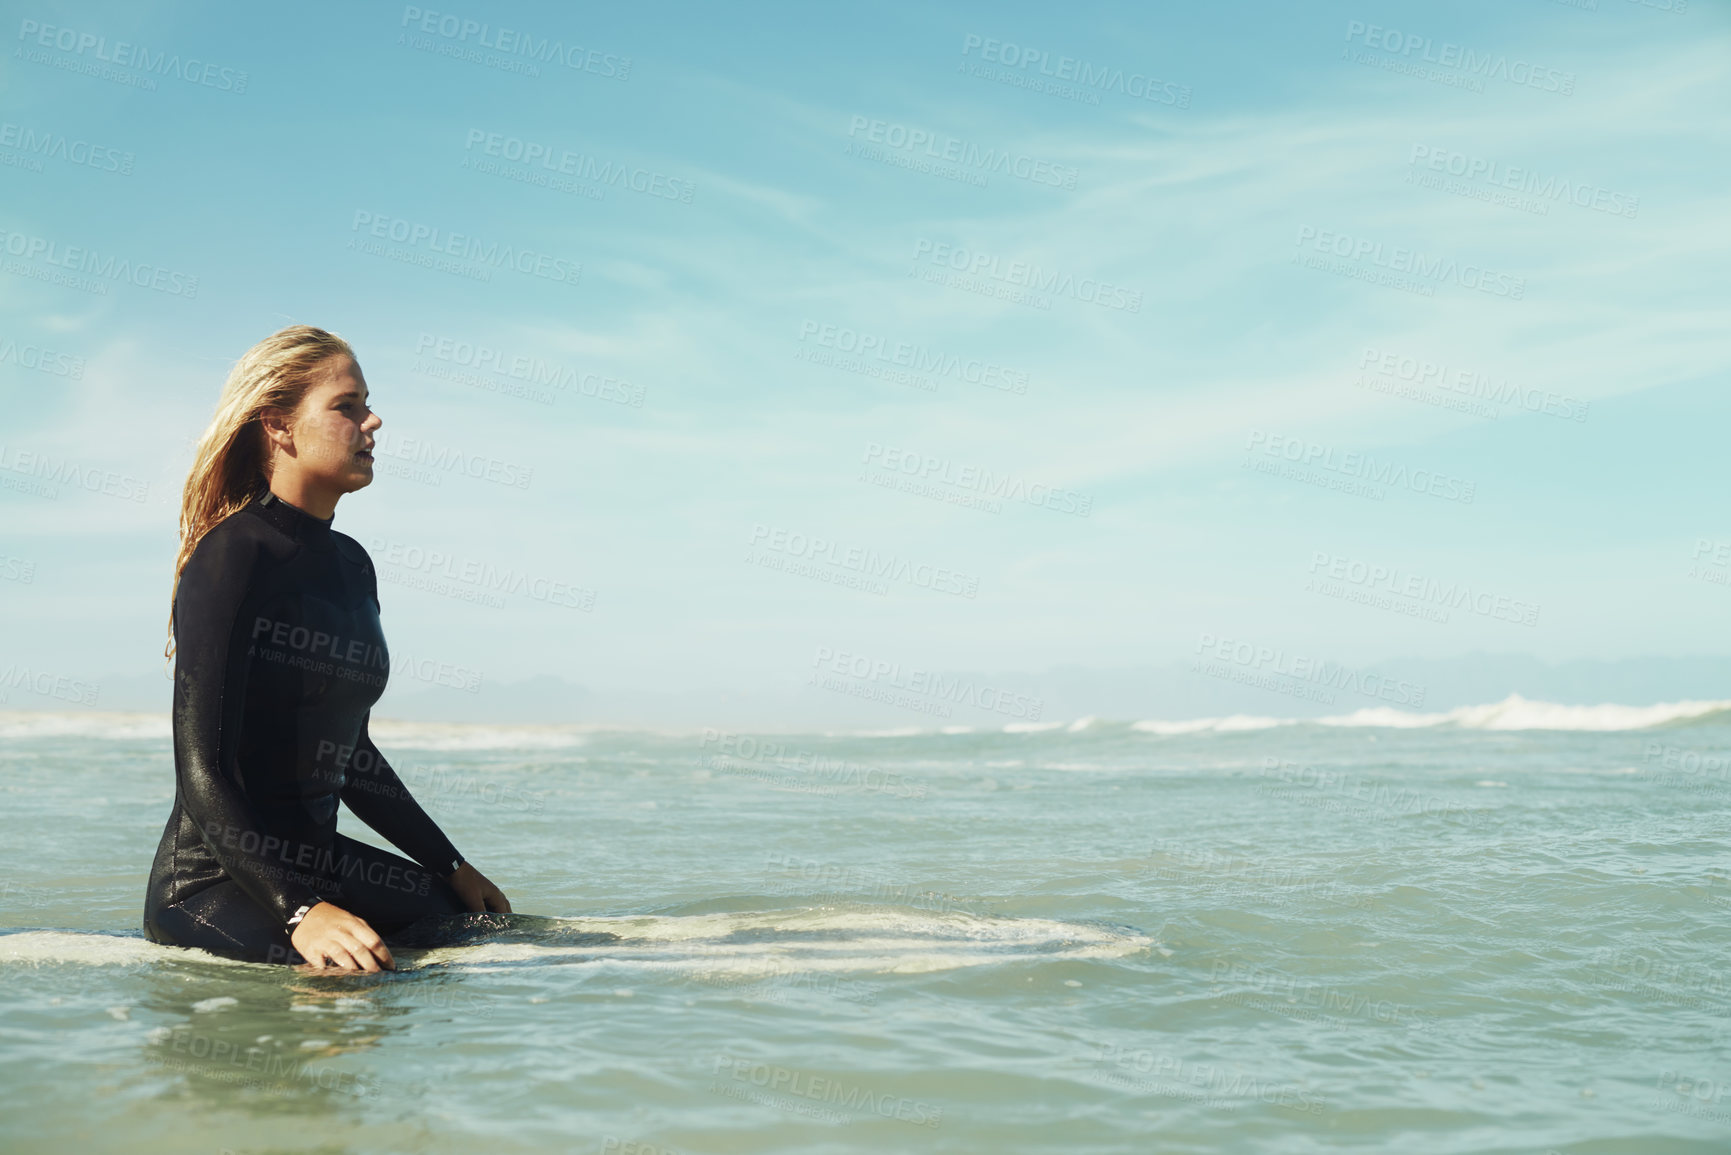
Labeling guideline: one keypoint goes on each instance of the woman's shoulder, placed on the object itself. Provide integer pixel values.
(234, 539)
(224, 560)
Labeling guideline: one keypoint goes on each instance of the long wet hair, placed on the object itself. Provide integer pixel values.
(231, 465)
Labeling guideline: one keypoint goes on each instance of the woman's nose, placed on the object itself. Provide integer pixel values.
(372, 422)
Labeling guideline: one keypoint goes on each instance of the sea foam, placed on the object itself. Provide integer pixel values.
(1512, 713)
(881, 940)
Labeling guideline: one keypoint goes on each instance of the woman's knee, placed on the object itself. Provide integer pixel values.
(222, 930)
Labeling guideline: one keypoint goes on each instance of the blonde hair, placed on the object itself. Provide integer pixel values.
(231, 467)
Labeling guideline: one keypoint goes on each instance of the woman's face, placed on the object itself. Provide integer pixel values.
(332, 431)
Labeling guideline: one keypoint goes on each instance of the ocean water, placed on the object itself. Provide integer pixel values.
(1501, 930)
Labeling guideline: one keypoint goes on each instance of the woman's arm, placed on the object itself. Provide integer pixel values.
(381, 800)
(279, 876)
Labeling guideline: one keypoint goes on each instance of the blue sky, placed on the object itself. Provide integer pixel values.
(1294, 208)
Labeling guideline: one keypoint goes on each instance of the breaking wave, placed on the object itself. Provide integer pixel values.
(1512, 713)
(748, 944)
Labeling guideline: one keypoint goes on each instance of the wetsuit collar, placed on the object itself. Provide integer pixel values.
(293, 520)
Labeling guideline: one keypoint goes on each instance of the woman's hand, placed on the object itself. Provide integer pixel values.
(328, 935)
(477, 893)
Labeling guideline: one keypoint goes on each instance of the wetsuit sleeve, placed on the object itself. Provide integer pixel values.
(212, 586)
(380, 799)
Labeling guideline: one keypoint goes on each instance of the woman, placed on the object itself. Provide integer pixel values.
(278, 660)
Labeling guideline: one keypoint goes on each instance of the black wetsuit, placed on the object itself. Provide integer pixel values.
(279, 659)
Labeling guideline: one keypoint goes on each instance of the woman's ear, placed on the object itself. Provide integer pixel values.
(279, 434)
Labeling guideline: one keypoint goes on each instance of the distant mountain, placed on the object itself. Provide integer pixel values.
(1176, 690)
(1172, 691)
